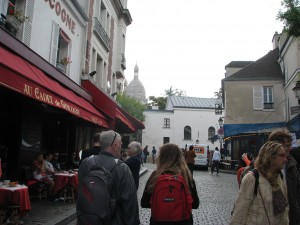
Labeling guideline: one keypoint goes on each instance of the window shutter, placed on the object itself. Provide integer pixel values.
(54, 43)
(28, 23)
(258, 98)
(3, 7)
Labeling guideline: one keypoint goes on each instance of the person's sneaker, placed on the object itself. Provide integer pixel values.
(217, 174)
(210, 173)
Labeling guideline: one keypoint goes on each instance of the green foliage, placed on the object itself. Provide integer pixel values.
(218, 94)
(290, 17)
(162, 101)
(170, 92)
(132, 106)
(159, 101)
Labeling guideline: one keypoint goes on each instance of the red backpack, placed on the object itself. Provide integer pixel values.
(171, 199)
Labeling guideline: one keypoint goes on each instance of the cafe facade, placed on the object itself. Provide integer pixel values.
(44, 106)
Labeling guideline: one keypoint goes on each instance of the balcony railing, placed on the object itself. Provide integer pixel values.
(269, 105)
(101, 33)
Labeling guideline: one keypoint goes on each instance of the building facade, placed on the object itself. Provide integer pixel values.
(185, 121)
(47, 104)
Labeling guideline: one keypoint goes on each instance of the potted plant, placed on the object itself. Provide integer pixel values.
(62, 64)
(15, 20)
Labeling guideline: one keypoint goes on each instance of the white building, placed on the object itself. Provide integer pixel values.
(186, 120)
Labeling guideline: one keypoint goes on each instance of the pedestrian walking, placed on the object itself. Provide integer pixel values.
(134, 161)
(262, 198)
(190, 156)
(290, 173)
(153, 154)
(170, 165)
(146, 153)
(215, 161)
(126, 210)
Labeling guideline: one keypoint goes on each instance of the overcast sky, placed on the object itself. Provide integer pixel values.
(186, 44)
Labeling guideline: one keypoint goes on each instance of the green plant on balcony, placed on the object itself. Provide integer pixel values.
(19, 15)
(65, 61)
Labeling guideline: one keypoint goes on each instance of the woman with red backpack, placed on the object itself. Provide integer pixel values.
(170, 191)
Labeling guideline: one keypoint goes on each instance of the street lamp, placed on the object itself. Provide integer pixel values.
(221, 132)
(296, 90)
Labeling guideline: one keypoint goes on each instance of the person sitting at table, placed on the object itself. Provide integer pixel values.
(39, 173)
(55, 163)
(48, 165)
(73, 163)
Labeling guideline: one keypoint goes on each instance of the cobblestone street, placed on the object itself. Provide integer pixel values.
(217, 195)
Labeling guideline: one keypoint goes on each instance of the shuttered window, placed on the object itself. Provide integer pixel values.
(258, 98)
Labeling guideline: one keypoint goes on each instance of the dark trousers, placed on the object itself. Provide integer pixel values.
(191, 167)
(215, 164)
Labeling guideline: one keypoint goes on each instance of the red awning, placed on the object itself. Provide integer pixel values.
(19, 75)
(123, 118)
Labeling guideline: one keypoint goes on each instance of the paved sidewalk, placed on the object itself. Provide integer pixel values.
(54, 213)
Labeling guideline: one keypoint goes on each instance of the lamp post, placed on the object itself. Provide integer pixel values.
(221, 132)
(296, 90)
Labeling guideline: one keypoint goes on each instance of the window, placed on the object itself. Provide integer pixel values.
(263, 98)
(187, 133)
(211, 132)
(268, 98)
(60, 49)
(166, 140)
(166, 122)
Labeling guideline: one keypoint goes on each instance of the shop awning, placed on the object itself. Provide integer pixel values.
(294, 124)
(123, 118)
(124, 122)
(234, 129)
(19, 75)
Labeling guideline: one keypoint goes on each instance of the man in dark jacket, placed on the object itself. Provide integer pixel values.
(134, 161)
(291, 175)
(127, 212)
(93, 150)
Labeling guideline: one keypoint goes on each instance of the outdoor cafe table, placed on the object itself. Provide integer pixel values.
(16, 195)
(61, 180)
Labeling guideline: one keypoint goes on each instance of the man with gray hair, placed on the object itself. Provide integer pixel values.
(127, 211)
(134, 161)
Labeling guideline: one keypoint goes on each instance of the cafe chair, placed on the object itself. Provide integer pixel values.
(37, 189)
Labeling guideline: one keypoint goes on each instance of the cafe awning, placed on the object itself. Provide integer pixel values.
(19, 75)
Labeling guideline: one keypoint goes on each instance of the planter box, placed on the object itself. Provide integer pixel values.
(13, 22)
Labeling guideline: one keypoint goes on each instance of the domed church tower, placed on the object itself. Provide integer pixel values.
(135, 88)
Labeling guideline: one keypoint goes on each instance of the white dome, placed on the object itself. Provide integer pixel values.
(135, 88)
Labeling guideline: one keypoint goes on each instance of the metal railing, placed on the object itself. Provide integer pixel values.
(101, 33)
(269, 105)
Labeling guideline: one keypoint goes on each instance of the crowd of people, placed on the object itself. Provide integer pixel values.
(269, 182)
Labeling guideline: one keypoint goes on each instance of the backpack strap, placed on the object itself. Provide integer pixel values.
(255, 173)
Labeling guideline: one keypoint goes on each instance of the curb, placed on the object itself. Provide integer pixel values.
(72, 213)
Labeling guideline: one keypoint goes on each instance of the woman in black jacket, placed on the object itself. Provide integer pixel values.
(171, 162)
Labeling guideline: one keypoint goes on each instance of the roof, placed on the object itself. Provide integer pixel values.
(265, 68)
(191, 102)
(238, 64)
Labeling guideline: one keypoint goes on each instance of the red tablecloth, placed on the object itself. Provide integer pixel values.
(16, 195)
(61, 180)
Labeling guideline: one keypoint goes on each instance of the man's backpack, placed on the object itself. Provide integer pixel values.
(96, 201)
(171, 199)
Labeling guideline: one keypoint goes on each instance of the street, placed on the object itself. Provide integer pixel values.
(216, 193)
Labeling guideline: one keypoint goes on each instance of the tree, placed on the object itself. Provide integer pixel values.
(170, 92)
(132, 106)
(290, 17)
(218, 94)
(162, 101)
(157, 101)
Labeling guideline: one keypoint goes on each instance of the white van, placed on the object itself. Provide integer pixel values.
(201, 159)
